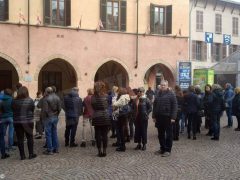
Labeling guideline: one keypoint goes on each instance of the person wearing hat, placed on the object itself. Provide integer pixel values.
(142, 107)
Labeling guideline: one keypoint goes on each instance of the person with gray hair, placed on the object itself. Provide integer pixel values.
(51, 109)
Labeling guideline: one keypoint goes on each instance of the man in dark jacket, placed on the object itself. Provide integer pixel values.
(192, 107)
(73, 110)
(164, 114)
(228, 97)
(51, 109)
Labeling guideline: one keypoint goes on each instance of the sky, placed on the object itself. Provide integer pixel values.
(236, 0)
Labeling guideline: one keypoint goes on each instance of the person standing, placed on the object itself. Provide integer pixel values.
(192, 107)
(51, 109)
(236, 107)
(23, 112)
(73, 110)
(216, 109)
(100, 119)
(87, 118)
(150, 94)
(228, 97)
(164, 114)
(206, 104)
(142, 107)
(37, 117)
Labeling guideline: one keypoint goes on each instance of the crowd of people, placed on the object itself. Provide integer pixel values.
(123, 111)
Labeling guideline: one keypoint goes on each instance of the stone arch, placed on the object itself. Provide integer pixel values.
(56, 56)
(167, 71)
(14, 63)
(113, 64)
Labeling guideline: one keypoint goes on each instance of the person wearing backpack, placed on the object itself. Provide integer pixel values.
(122, 104)
(142, 107)
(236, 107)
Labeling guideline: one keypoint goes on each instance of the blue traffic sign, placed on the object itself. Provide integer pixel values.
(209, 37)
(226, 39)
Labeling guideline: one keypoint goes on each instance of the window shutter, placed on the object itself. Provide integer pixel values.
(103, 12)
(193, 50)
(68, 12)
(204, 51)
(6, 10)
(123, 15)
(46, 12)
(152, 17)
(169, 20)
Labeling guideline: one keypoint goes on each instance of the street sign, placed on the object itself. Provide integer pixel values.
(226, 39)
(209, 37)
(184, 74)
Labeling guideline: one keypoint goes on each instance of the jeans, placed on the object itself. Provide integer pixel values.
(192, 124)
(85, 122)
(51, 133)
(27, 130)
(229, 116)
(165, 133)
(182, 121)
(216, 124)
(8, 122)
(71, 129)
(2, 141)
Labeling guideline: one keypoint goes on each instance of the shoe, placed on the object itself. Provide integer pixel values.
(128, 139)
(138, 147)
(83, 144)
(144, 147)
(121, 149)
(215, 138)
(93, 142)
(115, 144)
(194, 137)
(55, 151)
(23, 157)
(113, 136)
(159, 152)
(73, 145)
(45, 146)
(38, 137)
(227, 126)
(208, 134)
(176, 138)
(48, 152)
(66, 144)
(166, 154)
(237, 129)
(5, 156)
(32, 156)
(189, 136)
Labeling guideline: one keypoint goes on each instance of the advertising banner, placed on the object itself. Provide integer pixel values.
(184, 74)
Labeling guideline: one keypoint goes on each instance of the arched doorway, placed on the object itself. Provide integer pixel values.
(112, 73)
(8, 75)
(58, 73)
(156, 74)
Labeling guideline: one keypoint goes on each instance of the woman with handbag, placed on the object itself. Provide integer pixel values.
(124, 109)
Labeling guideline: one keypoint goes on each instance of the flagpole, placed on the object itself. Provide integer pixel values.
(136, 65)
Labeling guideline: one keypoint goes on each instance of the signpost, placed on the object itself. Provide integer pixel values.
(184, 74)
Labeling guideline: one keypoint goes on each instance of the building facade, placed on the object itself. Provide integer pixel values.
(70, 43)
(219, 19)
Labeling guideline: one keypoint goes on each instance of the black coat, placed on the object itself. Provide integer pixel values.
(143, 109)
(23, 110)
(101, 115)
(192, 103)
(236, 105)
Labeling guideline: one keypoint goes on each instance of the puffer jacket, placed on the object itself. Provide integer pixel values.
(217, 102)
(165, 104)
(143, 109)
(192, 103)
(101, 115)
(73, 105)
(6, 107)
(23, 110)
(228, 96)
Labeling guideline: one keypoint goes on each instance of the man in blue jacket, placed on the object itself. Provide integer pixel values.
(228, 97)
(73, 110)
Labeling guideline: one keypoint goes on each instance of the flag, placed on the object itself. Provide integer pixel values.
(39, 22)
(100, 24)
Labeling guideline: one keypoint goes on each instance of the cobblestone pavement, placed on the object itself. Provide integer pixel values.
(200, 159)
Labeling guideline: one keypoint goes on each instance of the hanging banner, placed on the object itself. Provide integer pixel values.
(184, 74)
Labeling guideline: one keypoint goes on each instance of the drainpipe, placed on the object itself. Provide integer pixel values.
(136, 65)
(28, 34)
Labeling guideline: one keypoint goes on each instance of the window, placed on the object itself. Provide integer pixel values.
(199, 51)
(57, 12)
(217, 52)
(218, 23)
(113, 14)
(224, 51)
(235, 26)
(161, 19)
(3, 10)
(199, 21)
